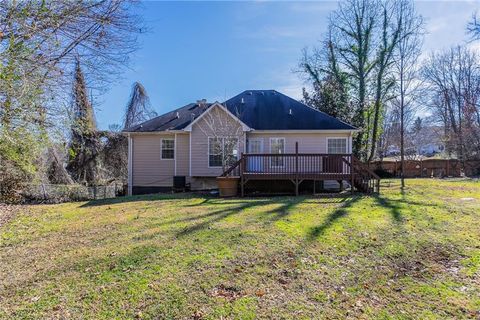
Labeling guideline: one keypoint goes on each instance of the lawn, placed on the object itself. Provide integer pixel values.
(398, 255)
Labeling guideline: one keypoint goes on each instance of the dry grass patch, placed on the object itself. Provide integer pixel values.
(412, 254)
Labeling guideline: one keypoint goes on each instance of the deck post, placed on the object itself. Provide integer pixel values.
(352, 174)
(242, 191)
(296, 168)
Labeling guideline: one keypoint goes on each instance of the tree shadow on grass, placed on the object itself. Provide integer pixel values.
(395, 206)
(147, 197)
(240, 205)
(340, 212)
(218, 216)
(284, 209)
(392, 206)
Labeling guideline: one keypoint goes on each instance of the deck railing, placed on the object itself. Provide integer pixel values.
(304, 166)
(295, 165)
(291, 164)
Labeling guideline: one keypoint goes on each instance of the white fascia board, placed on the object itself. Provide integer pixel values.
(171, 132)
(305, 131)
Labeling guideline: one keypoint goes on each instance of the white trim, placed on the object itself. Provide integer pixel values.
(217, 104)
(190, 154)
(350, 143)
(303, 131)
(284, 148)
(261, 140)
(343, 138)
(130, 165)
(174, 147)
(223, 149)
(244, 143)
(170, 132)
(175, 154)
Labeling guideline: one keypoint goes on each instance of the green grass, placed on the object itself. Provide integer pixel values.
(395, 256)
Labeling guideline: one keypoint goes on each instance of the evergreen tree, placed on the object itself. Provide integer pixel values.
(85, 143)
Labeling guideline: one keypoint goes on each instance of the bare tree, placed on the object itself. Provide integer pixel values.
(39, 44)
(453, 81)
(138, 109)
(406, 68)
(473, 27)
(392, 25)
(353, 26)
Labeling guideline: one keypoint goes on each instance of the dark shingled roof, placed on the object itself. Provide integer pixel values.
(272, 110)
(258, 109)
(173, 120)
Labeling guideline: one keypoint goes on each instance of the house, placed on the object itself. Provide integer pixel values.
(201, 141)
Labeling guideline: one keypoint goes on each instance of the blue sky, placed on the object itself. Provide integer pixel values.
(214, 50)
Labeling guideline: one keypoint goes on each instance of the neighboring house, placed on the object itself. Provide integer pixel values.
(431, 149)
(193, 140)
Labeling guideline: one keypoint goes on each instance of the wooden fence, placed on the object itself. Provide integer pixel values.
(428, 168)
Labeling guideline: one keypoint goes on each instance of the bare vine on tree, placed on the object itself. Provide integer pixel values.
(138, 109)
(85, 143)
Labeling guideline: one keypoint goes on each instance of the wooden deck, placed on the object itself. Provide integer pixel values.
(298, 167)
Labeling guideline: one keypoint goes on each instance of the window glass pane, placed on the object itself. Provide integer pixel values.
(218, 147)
(215, 160)
(336, 146)
(230, 148)
(277, 146)
(168, 148)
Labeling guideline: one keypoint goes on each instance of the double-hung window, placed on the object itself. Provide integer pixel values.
(337, 145)
(222, 151)
(277, 146)
(168, 148)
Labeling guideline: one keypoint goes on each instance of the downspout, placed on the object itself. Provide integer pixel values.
(130, 165)
(175, 154)
(190, 154)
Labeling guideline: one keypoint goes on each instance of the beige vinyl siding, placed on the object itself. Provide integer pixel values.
(183, 154)
(148, 169)
(309, 142)
(200, 134)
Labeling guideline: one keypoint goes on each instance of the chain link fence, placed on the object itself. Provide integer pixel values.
(55, 193)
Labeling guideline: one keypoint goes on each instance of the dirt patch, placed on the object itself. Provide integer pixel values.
(430, 260)
(7, 213)
(228, 292)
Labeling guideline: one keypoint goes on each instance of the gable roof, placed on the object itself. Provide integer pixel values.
(218, 105)
(257, 109)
